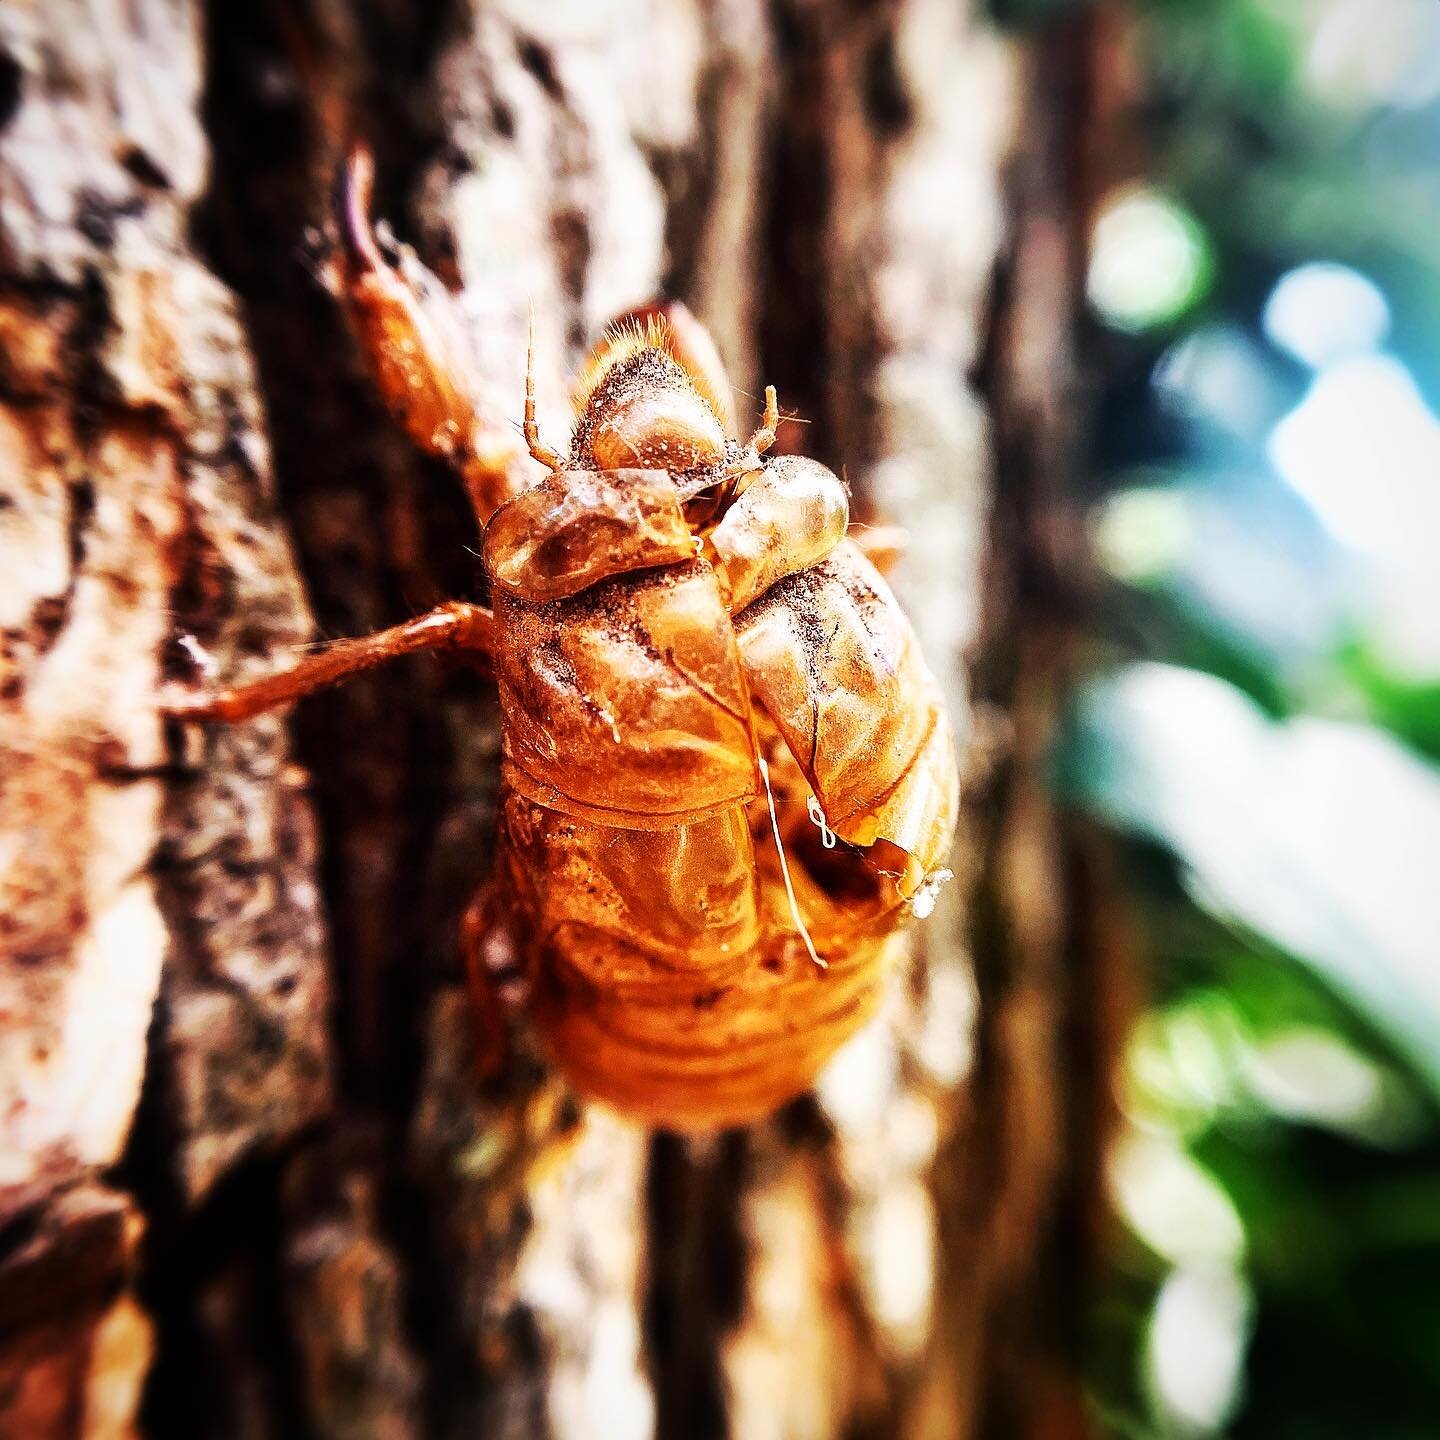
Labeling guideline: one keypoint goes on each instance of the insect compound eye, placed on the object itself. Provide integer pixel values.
(579, 527)
(670, 429)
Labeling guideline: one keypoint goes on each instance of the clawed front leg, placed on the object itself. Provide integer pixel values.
(411, 341)
(455, 626)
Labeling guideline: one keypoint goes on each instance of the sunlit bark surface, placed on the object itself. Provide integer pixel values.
(246, 1186)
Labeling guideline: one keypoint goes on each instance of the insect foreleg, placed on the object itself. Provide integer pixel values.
(414, 347)
(454, 626)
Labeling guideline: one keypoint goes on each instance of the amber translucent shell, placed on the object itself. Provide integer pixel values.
(832, 658)
(669, 977)
(626, 705)
(790, 516)
(672, 972)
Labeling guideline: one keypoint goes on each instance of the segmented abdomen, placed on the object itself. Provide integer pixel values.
(668, 957)
(669, 978)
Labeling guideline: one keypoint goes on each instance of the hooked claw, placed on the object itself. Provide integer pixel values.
(356, 187)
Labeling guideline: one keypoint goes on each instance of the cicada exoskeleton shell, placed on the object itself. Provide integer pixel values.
(728, 776)
(726, 766)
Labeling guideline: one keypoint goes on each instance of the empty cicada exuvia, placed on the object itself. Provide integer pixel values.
(728, 776)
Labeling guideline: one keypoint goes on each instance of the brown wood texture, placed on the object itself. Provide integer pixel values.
(247, 1186)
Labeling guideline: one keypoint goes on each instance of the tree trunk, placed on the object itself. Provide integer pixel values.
(246, 1185)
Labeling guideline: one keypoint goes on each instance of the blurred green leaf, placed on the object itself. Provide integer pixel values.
(1343, 1253)
(1281, 867)
(1317, 835)
(1410, 709)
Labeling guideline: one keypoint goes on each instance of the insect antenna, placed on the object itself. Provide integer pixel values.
(542, 452)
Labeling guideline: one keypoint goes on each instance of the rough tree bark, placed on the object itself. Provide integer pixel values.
(246, 1185)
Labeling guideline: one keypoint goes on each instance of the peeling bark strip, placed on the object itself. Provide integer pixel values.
(244, 1172)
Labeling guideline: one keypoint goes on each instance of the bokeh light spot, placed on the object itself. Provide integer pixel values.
(1141, 535)
(1323, 312)
(1149, 260)
(1171, 1203)
(1196, 1351)
(1364, 449)
(1370, 53)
